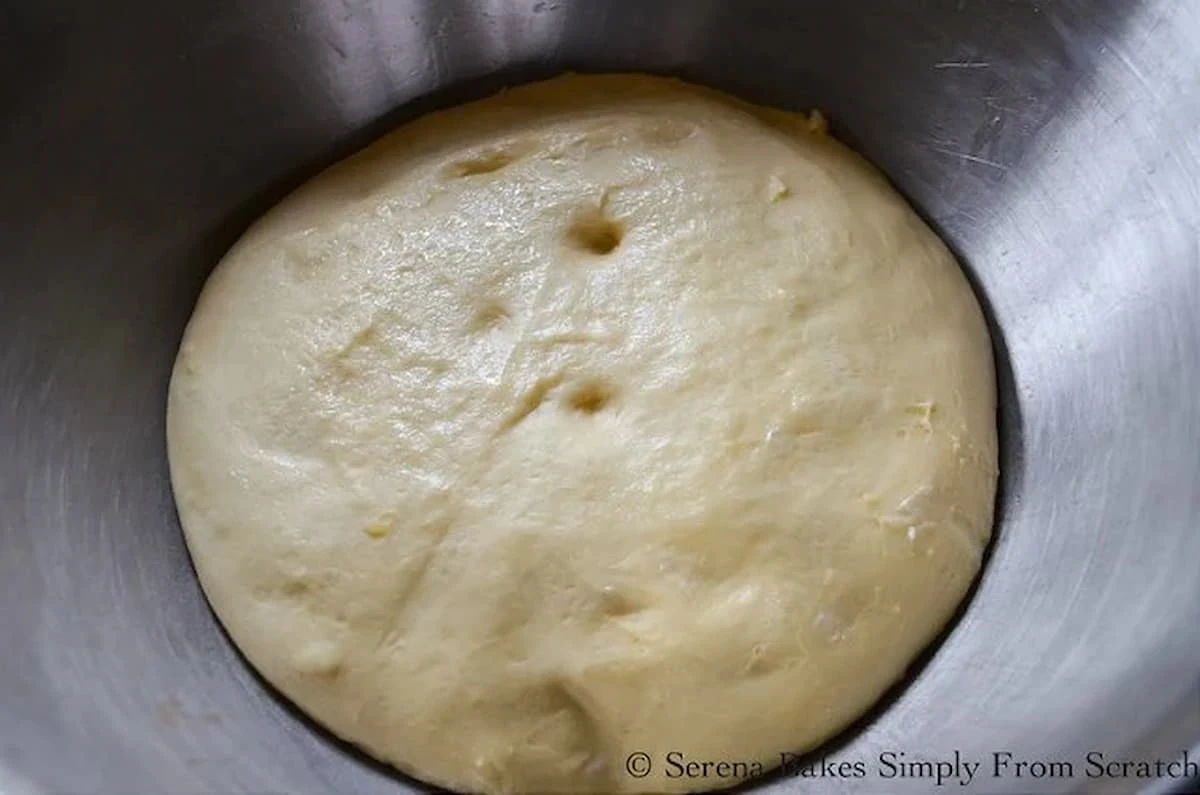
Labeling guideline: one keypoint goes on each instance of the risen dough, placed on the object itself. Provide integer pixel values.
(609, 414)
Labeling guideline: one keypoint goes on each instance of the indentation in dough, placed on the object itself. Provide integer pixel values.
(803, 424)
(588, 732)
(560, 748)
(301, 262)
(366, 337)
(777, 189)
(591, 396)
(800, 309)
(616, 602)
(563, 698)
(763, 660)
(346, 362)
(382, 527)
(531, 401)
(294, 587)
(589, 141)
(360, 357)
(319, 658)
(483, 163)
(666, 132)
(924, 413)
(488, 315)
(595, 233)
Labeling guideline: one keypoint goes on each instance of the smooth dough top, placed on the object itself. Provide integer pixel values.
(608, 414)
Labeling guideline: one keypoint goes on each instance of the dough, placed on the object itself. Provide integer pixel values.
(607, 415)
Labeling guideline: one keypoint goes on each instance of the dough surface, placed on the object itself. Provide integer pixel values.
(608, 414)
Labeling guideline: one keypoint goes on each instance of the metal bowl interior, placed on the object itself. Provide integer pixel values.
(1054, 144)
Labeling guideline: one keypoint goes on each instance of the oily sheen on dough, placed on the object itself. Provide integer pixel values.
(609, 414)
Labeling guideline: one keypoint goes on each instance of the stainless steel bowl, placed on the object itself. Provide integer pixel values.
(1055, 144)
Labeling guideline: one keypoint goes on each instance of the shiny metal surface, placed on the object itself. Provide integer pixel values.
(1056, 144)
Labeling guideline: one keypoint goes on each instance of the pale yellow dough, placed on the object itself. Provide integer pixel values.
(610, 414)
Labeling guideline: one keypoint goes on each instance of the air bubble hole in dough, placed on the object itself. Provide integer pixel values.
(609, 414)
